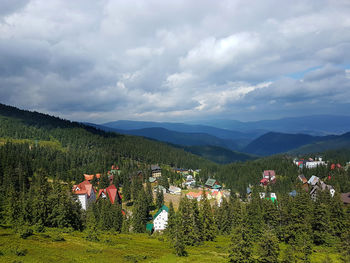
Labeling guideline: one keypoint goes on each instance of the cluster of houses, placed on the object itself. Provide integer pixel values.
(87, 194)
(310, 163)
(316, 185)
(268, 177)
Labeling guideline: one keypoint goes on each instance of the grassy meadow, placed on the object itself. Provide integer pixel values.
(56, 246)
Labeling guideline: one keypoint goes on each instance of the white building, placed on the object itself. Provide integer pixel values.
(85, 193)
(174, 190)
(161, 218)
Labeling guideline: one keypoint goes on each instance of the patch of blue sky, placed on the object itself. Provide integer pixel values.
(301, 74)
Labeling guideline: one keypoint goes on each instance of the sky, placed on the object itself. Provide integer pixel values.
(165, 60)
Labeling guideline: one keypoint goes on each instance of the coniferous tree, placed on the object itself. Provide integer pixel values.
(140, 213)
(185, 221)
(126, 189)
(321, 220)
(241, 249)
(91, 229)
(104, 182)
(268, 248)
(149, 193)
(197, 223)
(172, 221)
(209, 231)
(160, 198)
(179, 239)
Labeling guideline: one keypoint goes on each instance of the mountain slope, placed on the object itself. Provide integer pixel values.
(181, 127)
(180, 138)
(325, 144)
(313, 125)
(85, 148)
(273, 143)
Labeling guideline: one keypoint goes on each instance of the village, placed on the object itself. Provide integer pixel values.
(214, 191)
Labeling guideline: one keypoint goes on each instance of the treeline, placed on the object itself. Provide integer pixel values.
(89, 147)
(257, 228)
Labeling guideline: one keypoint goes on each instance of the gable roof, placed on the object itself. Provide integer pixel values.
(84, 187)
(302, 178)
(164, 207)
(155, 167)
(269, 173)
(210, 182)
(313, 180)
(111, 191)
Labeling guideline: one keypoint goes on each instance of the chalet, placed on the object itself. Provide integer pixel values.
(212, 184)
(160, 219)
(174, 190)
(313, 180)
(85, 193)
(160, 188)
(193, 195)
(321, 186)
(218, 196)
(345, 197)
(156, 171)
(190, 182)
(268, 177)
(112, 193)
(304, 182)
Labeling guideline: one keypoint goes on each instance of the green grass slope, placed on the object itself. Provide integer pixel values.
(56, 246)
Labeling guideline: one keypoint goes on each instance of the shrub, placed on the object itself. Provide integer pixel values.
(21, 252)
(25, 232)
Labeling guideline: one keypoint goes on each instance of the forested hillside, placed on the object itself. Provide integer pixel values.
(41, 155)
(73, 148)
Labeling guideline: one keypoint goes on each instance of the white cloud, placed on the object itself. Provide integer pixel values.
(169, 60)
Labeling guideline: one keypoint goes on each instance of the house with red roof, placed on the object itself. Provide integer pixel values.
(198, 195)
(112, 193)
(85, 193)
(269, 176)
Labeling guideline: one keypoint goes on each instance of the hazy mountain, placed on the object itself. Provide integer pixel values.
(313, 125)
(273, 143)
(187, 128)
(179, 138)
(325, 144)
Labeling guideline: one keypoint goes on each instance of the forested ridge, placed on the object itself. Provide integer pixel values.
(42, 156)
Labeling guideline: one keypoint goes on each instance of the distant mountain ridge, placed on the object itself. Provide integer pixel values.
(182, 127)
(318, 125)
(274, 143)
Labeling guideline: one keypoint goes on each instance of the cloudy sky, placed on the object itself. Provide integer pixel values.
(104, 60)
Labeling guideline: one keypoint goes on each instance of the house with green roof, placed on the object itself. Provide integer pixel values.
(160, 219)
(213, 184)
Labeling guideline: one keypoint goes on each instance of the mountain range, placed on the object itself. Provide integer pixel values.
(295, 135)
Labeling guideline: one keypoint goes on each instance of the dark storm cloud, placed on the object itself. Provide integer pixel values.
(170, 60)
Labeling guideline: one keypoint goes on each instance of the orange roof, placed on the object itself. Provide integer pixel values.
(90, 177)
(84, 187)
(195, 195)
